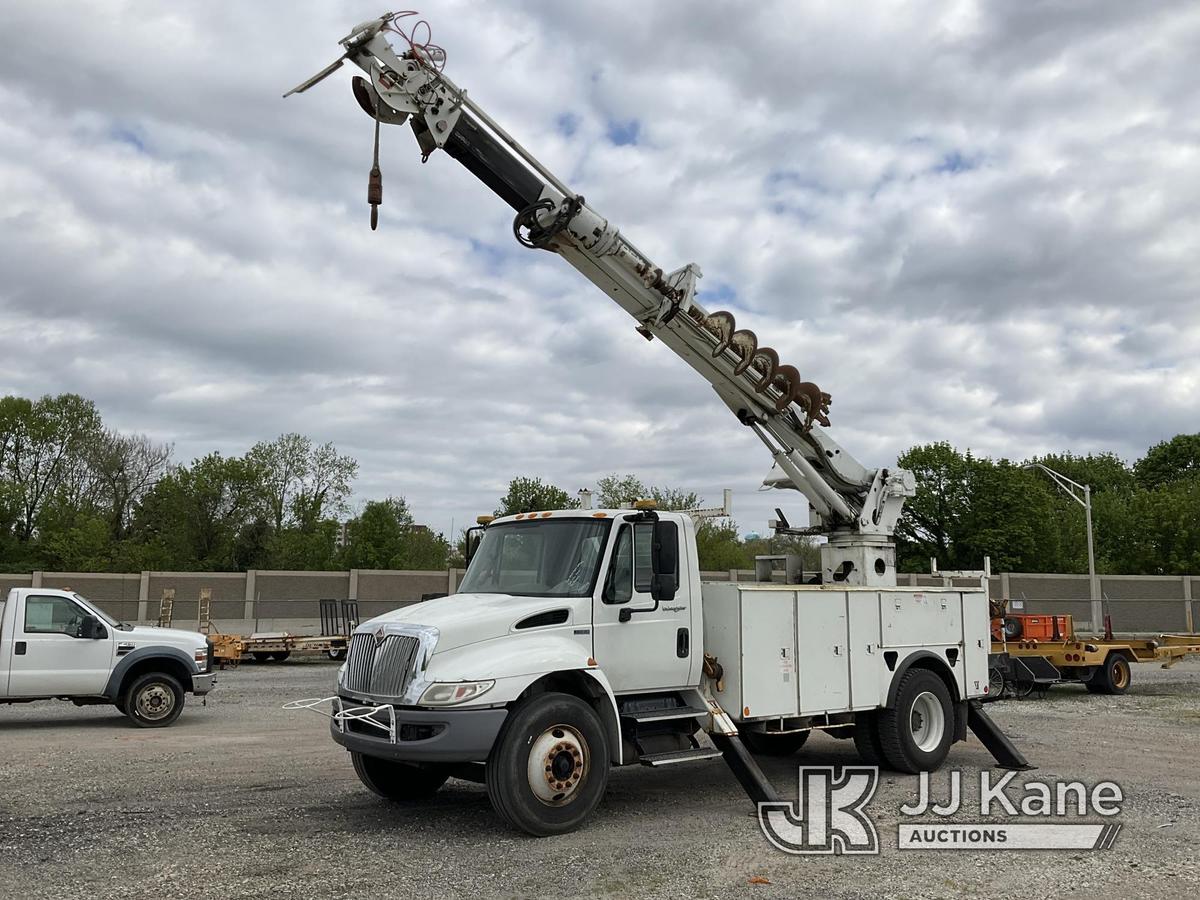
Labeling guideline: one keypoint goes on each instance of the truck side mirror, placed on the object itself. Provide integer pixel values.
(473, 537)
(664, 562)
(92, 629)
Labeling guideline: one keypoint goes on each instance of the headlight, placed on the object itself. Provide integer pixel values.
(450, 693)
(201, 657)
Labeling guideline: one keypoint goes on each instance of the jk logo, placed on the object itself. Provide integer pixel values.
(829, 816)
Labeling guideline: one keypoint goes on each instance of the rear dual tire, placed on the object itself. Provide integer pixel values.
(913, 735)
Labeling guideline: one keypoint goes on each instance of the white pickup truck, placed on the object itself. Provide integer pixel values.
(580, 640)
(57, 645)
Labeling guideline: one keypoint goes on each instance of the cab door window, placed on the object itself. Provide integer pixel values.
(643, 566)
(52, 615)
(618, 587)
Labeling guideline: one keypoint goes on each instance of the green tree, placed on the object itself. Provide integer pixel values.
(303, 485)
(194, 515)
(527, 495)
(931, 523)
(43, 452)
(719, 548)
(125, 468)
(616, 491)
(1175, 460)
(384, 536)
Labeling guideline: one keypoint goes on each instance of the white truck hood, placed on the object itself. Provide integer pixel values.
(463, 619)
(144, 636)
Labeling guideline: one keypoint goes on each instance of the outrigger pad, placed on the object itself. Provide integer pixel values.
(1006, 755)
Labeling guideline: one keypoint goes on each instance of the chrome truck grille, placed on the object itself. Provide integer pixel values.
(380, 668)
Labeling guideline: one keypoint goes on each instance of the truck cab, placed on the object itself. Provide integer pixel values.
(56, 644)
(577, 641)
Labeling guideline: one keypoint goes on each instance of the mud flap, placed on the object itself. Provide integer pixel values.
(997, 743)
(745, 769)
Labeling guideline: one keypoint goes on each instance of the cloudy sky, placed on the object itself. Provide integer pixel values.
(967, 221)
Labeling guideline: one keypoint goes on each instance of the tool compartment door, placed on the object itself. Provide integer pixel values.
(866, 659)
(823, 653)
(977, 641)
(920, 618)
(768, 663)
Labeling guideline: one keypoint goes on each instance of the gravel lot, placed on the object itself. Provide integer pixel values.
(242, 798)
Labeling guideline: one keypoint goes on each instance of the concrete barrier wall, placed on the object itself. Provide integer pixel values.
(265, 601)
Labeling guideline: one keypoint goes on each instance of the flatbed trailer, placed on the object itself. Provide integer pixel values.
(1103, 665)
(230, 649)
(339, 618)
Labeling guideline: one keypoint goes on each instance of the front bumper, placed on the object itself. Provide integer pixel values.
(424, 735)
(202, 684)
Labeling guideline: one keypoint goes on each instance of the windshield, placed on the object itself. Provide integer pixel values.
(543, 558)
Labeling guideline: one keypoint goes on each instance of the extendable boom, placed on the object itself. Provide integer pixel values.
(852, 503)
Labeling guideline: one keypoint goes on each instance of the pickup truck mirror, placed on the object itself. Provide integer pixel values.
(92, 628)
(664, 562)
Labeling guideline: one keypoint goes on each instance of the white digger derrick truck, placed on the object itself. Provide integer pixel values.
(584, 639)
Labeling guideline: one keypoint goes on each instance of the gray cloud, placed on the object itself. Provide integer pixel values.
(967, 221)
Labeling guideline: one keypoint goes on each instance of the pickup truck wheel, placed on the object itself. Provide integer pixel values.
(398, 781)
(549, 767)
(336, 653)
(916, 733)
(154, 700)
(1111, 678)
(764, 744)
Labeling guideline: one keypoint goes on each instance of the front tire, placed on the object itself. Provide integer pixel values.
(153, 700)
(916, 733)
(549, 767)
(762, 744)
(398, 781)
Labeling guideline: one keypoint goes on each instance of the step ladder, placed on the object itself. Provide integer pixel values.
(166, 608)
(634, 719)
(204, 623)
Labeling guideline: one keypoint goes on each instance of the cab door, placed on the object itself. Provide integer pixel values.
(50, 657)
(639, 644)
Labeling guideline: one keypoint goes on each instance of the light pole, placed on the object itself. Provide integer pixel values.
(1081, 494)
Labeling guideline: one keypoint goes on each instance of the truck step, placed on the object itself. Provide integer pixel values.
(663, 715)
(678, 756)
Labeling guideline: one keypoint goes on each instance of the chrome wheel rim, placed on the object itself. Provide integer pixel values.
(155, 701)
(558, 762)
(927, 721)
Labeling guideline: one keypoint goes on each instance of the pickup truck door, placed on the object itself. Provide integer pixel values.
(652, 649)
(48, 658)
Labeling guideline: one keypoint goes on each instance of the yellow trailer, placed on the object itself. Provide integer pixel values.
(1103, 665)
(230, 649)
